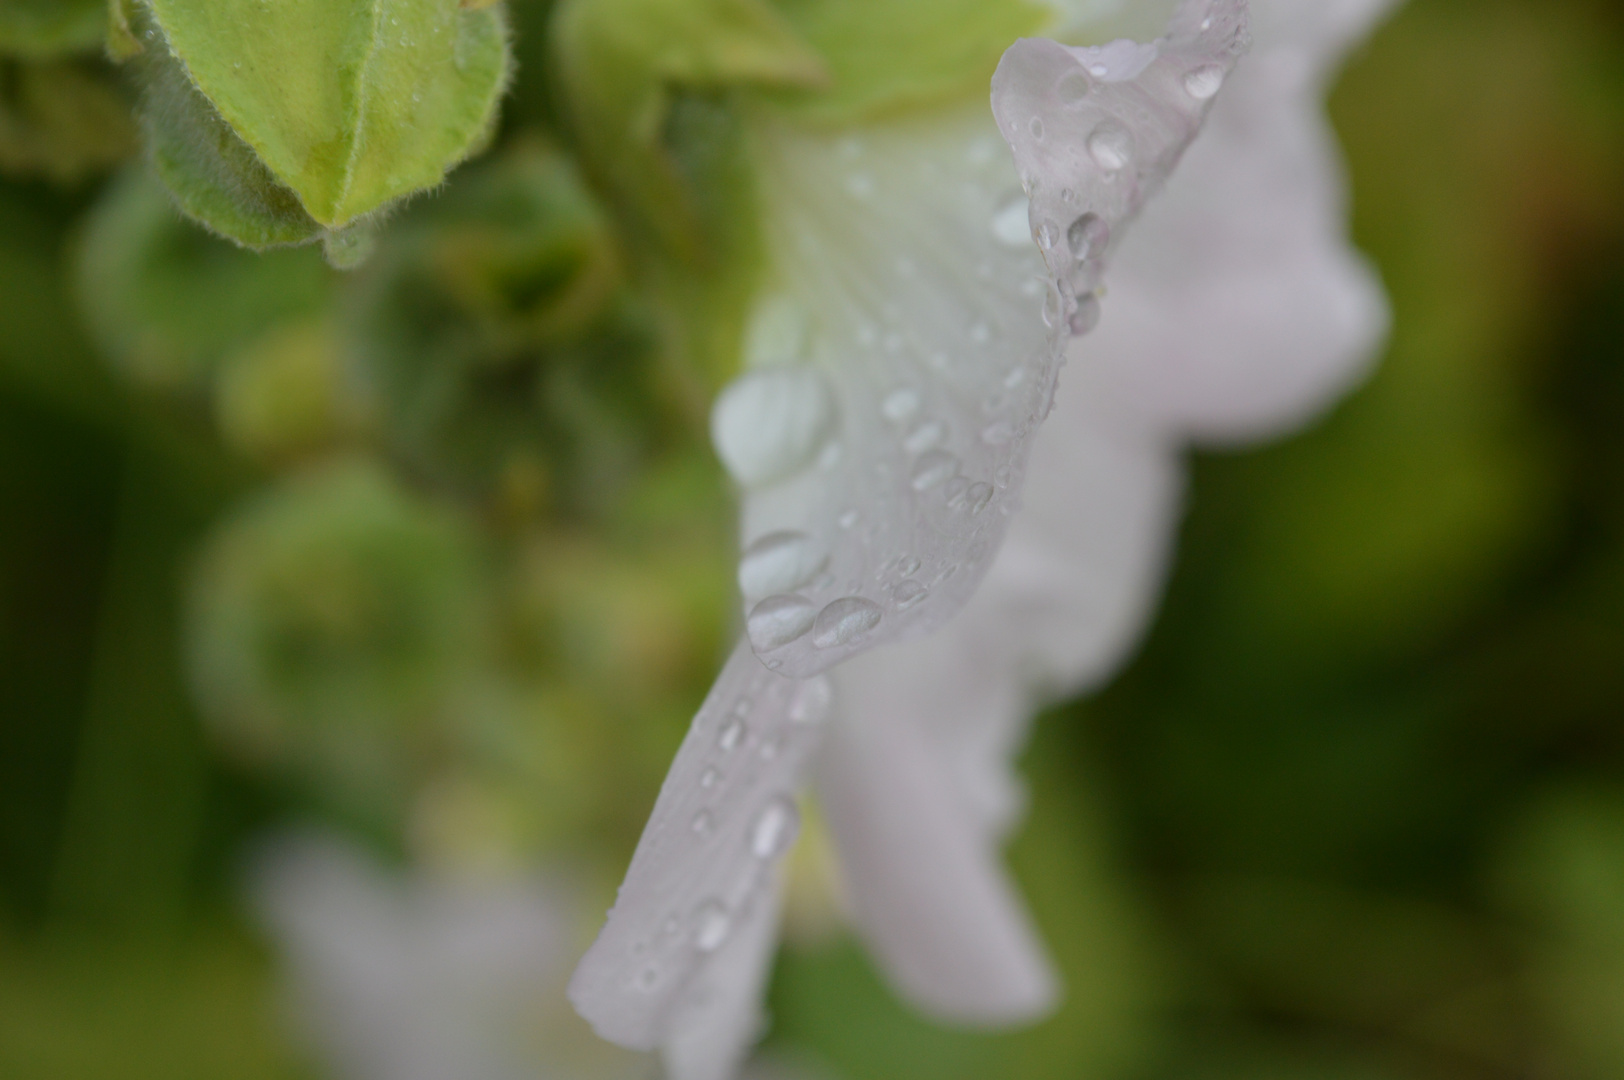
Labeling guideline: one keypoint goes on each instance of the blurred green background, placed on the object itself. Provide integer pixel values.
(1355, 811)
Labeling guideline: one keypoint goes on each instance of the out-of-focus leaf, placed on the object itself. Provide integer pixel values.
(49, 27)
(888, 55)
(348, 105)
(62, 120)
(166, 301)
(620, 63)
(338, 627)
(284, 395)
(493, 334)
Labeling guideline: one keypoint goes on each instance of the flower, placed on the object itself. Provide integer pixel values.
(899, 365)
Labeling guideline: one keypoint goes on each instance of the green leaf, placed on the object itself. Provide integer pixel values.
(351, 104)
(888, 55)
(49, 27)
(61, 119)
(624, 62)
(166, 301)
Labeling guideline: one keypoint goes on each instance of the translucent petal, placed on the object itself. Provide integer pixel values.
(1277, 314)
(925, 884)
(913, 335)
(703, 871)
(719, 1016)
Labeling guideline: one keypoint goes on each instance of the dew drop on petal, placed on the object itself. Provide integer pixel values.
(844, 621)
(908, 567)
(1204, 81)
(1047, 235)
(908, 593)
(1088, 236)
(711, 926)
(999, 433)
(731, 735)
(703, 824)
(1087, 315)
(1110, 146)
(709, 778)
(769, 424)
(932, 469)
(923, 437)
(774, 829)
(779, 620)
(901, 404)
(779, 562)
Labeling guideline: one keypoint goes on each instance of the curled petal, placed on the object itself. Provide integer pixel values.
(911, 345)
(703, 872)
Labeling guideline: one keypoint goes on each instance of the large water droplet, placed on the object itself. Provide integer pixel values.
(1110, 146)
(1087, 315)
(1088, 236)
(811, 701)
(770, 424)
(779, 562)
(774, 829)
(901, 404)
(845, 620)
(1012, 223)
(932, 469)
(1204, 81)
(712, 924)
(779, 620)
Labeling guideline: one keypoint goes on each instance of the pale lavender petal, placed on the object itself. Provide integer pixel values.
(908, 347)
(719, 1016)
(704, 867)
(923, 878)
(1238, 308)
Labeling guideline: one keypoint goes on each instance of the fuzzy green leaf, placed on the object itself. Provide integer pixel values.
(350, 104)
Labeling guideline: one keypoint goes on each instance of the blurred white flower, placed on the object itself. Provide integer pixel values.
(899, 367)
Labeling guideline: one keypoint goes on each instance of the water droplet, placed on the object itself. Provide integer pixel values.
(977, 498)
(922, 438)
(1072, 88)
(1012, 223)
(770, 424)
(1099, 71)
(1047, 235)
(1110, 146)
(711, 926)
(845, 620)
(953, 491)
(709, 778)
(1036, 127)
(1088, 236)
(703, 824)
(901, 404)
(779, 620)
(998, 433)
(1204, 81)
(779, 562)
(908, 567)
(1015, 377)
(933, 468)
(1051, 306)
(908, 593)
(811, 702)
(1087, 315)
(775, 828)
(731, 735)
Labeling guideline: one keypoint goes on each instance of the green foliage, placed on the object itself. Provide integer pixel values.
(64, 120)
(275, 122)
(49, 27)
(167, 302)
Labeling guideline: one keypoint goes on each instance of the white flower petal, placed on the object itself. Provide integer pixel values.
(925, 884)
(911, 346)
(1273, 314)
(704, 869)
(719, 1016)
